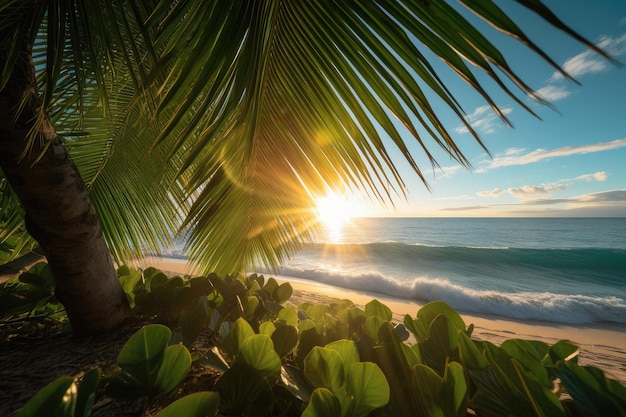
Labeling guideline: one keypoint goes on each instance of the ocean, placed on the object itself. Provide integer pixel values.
(567, 270)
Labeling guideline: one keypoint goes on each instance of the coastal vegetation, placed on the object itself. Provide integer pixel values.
(267, 356)
(126, 124)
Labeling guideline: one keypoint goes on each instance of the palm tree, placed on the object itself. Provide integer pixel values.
(136, 120)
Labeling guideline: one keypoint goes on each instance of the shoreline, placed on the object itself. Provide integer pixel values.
(601, 344)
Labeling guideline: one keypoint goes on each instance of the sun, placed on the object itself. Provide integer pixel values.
(334, 210)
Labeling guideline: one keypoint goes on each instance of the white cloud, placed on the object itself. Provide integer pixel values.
(541, 154)
(612, 196)
(491, 193)
(528, 191)
(599, 176)
(483, 119)
(600, 198)
(514, 151)
(553, 92)
(589, 62)
(604, 203)
(443, 172)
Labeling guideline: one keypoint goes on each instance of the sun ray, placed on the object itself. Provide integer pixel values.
(334, 211)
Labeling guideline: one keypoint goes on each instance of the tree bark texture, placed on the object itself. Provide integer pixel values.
(59, 212)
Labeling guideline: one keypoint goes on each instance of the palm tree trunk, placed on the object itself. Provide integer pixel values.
(59, 212)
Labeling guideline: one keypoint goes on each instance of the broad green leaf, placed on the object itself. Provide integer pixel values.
(316, 311)
(254, 287)
(288, 315)
(526, 355)
(469, 353)
(429, 386)
(129, 279)
(592, 392)
(411, 355)
(239, 332)
(282, 293)
(285, 339)
(348, 351)
(454, 391)
(324, 368)
(87, 393)
(258, 352)
(307, 341)
(377, 309)
(306, 324)
(270, 286)
(175, 366)
(50, 399)
(543, 401)
(387, 334)
(441, 344)
(267, 328)
(323, 403)
(429, 312)
(367, 388)
(250, 304)
(192, 322)
(563, 350)
(243, 391)
(372, 326)
(142, 354)
(198, 404)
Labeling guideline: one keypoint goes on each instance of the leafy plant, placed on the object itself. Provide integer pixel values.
(64, 397)
(342, 360)
(148, 366)
(198, 404)
(30, 295)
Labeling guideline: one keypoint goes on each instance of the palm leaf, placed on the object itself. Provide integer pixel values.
(224, 120)
(272, 103)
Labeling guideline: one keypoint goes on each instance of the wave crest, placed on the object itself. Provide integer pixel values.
(562, 308)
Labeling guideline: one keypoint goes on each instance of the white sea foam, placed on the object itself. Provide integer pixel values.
(563, 308)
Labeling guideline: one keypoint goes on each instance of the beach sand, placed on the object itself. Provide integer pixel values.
(601, 345)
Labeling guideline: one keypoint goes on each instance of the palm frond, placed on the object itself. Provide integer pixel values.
(223, 120)
(311, 95)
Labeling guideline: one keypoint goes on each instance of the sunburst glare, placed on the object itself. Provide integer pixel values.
(334, 211)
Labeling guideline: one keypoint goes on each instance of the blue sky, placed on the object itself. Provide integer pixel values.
(570, 163)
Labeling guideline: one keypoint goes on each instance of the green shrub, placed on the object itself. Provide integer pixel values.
(329, 360)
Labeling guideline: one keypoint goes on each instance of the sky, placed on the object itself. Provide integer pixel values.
(571, 163)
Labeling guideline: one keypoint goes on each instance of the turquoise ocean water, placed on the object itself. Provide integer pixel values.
(568, 270)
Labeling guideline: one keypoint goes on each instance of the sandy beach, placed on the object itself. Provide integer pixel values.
(601, 345)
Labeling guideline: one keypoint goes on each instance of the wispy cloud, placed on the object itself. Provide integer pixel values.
(610, 199)
(589, 62)
(610, 196)
(496, 192)
(541, 154)
(553, 92)
(524, 192)
(528, 191)
(483, 119)
(464, 208)
(533, 191)
(600, 176)
(613, 196)
(443, 172)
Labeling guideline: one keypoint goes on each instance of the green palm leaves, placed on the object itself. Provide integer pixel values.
(223, 119)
